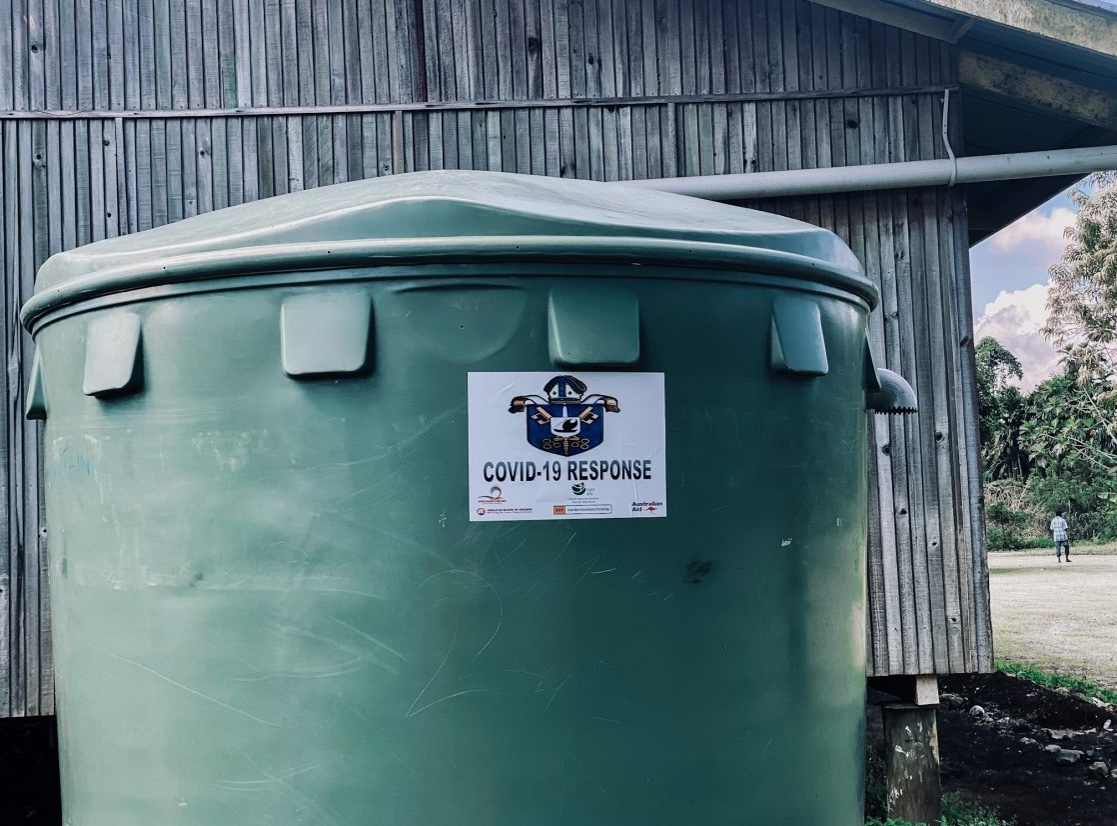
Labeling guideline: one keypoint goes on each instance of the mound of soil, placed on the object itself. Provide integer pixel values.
(987, 757)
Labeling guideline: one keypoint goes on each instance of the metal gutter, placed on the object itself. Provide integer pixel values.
(904, 175)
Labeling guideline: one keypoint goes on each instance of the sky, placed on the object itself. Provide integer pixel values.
(1009, 276)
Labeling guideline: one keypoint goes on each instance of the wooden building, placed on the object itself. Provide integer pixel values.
(120, 115)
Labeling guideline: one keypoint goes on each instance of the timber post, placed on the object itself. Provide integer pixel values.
(911, 756)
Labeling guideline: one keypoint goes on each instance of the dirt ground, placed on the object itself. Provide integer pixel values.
(1057, 615)
(1060, 616)
(988, 759)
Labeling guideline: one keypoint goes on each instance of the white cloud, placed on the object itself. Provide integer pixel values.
(1031, 303)
(1041, 233)
(1014, 319)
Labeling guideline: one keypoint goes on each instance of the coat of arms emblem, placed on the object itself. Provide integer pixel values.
(568, 421)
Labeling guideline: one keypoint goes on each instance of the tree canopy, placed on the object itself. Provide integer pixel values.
(1082, 295)
(1000, 410)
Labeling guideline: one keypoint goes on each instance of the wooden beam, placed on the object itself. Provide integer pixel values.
(916, 689)
(828, 94)
(1087, 28)
(949, 30)
(1038, 90)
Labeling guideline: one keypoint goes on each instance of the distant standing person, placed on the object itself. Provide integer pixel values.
(1062, 539)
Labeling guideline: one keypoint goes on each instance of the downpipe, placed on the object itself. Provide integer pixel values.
(902, 175)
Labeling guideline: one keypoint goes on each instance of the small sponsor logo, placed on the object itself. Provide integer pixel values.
(586, 509)
(559, 510)
(494, 497)
(480, 511)
(578, 489)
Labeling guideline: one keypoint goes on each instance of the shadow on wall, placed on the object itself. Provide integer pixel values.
(29, 792)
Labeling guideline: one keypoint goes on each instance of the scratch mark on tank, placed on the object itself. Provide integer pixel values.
(588, 566)
(272, 779)
(539, 678)
(70, 465)
(319, 638)
(424, 429)
(582, 766)
(543, 586)
(407, 542)
(415, 708)
(370, 638)
(562, 551)
(313, 673)
(282, 786)
(329, 670)
(231, 451)
(387, 741)
(603, 570)
(500, 558)
(412, 710)
(483, 581)
(268, 586)
(557, 689)
(499, 620)
(186, 688)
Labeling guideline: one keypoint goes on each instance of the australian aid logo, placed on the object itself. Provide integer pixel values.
(566, 421)
(590, 445)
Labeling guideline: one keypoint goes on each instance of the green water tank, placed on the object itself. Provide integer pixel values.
(459, 498)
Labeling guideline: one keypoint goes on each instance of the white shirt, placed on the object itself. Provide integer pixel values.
(1059, 528)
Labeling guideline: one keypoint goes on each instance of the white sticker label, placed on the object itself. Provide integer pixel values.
(566, 446)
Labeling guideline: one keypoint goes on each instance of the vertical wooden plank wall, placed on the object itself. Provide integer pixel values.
(120, 115)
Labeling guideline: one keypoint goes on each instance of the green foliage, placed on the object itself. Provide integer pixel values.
(1011, 517)
(1001, 410)
(1055, 679)
(1004, 529)
(955, 812)
(876, 789)
(1068, 435)
(996, 366)
(959, 812)
(1082, 296)
(1042, 542)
